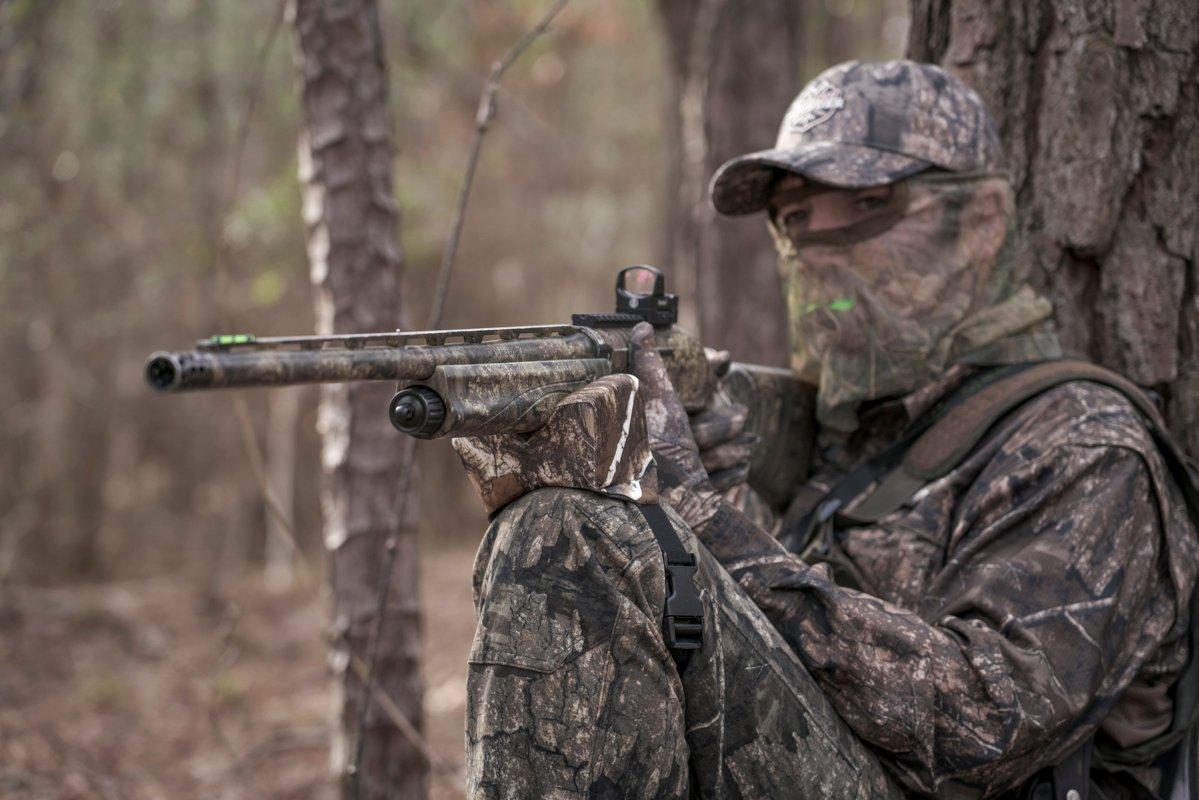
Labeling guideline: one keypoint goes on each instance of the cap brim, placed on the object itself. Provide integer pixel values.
(742, 185)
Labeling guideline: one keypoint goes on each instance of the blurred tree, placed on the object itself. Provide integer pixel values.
(839, 30)
(1098, 107)
(279, 547)
(346, 157)
(28, 496)
(735, 67)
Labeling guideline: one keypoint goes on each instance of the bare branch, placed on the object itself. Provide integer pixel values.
(220, 256)
(398, 718)
(487, 112)
(254, 453)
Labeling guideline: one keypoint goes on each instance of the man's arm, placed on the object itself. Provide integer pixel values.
(1050, 619)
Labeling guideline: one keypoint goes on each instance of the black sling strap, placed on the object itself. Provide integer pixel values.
(683, 620)
(880, 467)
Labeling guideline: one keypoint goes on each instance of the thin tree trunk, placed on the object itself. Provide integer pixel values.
(346, 158)
(1098, 107)
(225, 551)
(31, 514)
(736, 67)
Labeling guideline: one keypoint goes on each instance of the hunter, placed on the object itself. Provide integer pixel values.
(1013, 624)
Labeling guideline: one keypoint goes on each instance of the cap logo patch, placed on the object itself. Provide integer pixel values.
(816, 105)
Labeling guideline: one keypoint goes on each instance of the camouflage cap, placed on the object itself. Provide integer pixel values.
(858, 125)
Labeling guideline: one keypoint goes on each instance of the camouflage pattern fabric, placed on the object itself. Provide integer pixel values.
(572, 693)
(1031, 598)
(881, 315)
(595, 439)
(866, 124)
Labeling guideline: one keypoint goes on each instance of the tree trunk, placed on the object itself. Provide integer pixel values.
(735, 67)
(1098, 107)
(346, 157)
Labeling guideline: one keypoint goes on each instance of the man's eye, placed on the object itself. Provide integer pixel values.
(795, 220)
(870, 203)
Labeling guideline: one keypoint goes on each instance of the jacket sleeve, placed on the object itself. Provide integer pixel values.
(1061, 597)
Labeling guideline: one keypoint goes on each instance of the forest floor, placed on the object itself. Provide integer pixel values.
(160, 689)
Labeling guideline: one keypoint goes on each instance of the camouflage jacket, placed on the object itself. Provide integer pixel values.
(1031, 598)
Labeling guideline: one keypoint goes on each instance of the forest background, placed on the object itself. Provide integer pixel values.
(159, 635)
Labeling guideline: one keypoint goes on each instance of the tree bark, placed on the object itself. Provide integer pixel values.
(1098, 107)
(346, 158)
(735, 68)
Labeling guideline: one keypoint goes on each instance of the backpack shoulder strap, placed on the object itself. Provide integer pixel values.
(949, 440)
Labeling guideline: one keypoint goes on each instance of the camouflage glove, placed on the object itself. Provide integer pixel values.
(682, 478)
(594, 440)
(724, 446)
(719, 430)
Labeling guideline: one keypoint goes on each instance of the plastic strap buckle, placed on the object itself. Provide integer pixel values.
(683, 623)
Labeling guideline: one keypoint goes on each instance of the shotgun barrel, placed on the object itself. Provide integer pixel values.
(242, 360)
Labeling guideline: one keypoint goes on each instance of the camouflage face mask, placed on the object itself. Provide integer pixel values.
(881, 306)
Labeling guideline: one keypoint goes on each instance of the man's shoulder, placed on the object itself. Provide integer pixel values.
(1080, 430)
(1081, 414)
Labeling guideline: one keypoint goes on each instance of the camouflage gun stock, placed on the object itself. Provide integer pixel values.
(483, 381)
